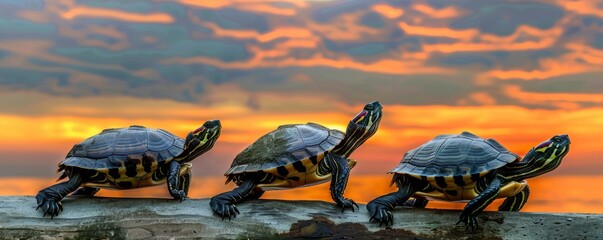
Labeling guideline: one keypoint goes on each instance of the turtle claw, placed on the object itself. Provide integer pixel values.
(470, 221)
(50, 207)
(347, 203)
(224, 210)
(178, 195)
(380, 214)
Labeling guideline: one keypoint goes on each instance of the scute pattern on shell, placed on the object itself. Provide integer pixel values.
(111, 148)
(455, 155)
(285, 145)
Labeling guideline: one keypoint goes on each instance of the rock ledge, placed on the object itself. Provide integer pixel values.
(116, 218)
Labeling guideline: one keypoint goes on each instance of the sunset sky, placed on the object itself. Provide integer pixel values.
(516, 72)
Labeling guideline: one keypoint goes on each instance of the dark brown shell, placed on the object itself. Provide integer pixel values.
(123, 147)
(286, 145)
(455, 155)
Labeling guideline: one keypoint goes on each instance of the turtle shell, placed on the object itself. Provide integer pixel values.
(455, 155)
(125, 152)
(288, 144)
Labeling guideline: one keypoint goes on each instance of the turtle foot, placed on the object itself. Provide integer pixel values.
(347, 203)
(179, 195)
(380, 213)
(223, 209)
(470, 221)
(50, 207)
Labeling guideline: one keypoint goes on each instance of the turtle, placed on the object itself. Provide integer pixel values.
(467, 168)
(297, 155)
(126, 158)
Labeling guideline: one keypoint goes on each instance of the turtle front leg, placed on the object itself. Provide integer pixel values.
(49, 199)
(515, 203)
(185, 179)
(173, 181)
(340, 172)
(478, 204)
(223, 204)
(185, 182)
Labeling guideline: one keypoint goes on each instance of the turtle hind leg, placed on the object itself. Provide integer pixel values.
(86, 191)
(380, 208)
(49, 199)
(223, 203)
(515, 203)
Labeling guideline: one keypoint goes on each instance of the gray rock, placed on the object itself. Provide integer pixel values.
(116, 218)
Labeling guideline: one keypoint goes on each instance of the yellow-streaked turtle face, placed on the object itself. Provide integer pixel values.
(360, 129)
(557, 146)
(202, 139)
(369, 117)
(550, 152)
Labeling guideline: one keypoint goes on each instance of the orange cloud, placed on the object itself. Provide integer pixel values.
(236, 3)
(207, 4)
(582, 7)
(82, 11)
(550, 68)
(388, 11)
(266, 8)
(472, 40)
(447, 12)
(464, 35)
(588, 54)
(530, 97)
(483, 98)
(282, 32)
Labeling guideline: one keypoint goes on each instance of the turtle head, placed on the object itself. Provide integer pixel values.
(369, 117)
(543, 158)
(360, 129)
(201, 140)
(549, 153)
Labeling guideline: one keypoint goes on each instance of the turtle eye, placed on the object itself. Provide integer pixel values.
(556, 139)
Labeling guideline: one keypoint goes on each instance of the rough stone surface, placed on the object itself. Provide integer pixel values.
(116, 218)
